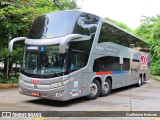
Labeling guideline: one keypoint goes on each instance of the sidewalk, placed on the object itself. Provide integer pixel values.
(155, 77)
(6, 86)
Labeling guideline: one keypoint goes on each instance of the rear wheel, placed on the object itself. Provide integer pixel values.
(94, 90)
(139, 81)
(143, 79)
(106, 89)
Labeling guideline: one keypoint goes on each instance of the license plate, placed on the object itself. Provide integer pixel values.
(35, 94)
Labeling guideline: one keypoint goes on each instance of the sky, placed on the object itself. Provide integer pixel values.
(128, 12)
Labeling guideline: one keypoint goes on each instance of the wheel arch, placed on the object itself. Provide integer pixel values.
(99, 79)
(141, 75)
(110, 78)
(144, 76)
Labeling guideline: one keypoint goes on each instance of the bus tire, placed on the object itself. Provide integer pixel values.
(139, 81)
(94, 90)
(144, 79)
(106, 89)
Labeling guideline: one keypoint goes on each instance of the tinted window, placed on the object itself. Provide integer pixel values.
(79, 54)
(144, 47)
(81, 46)
(110, 33)
(126, 64)
(53, 25)
(78, 59)
(110, 63)
(43, 60)
(136, 42)
(86, 24)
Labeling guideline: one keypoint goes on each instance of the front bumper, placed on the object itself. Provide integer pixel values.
(45, 91)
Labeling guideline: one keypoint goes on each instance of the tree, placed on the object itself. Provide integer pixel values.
(16, 18)
(149, 30)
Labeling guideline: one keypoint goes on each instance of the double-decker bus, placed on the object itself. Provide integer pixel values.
(70, 54)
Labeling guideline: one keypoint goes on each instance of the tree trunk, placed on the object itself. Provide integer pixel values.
(7, 68)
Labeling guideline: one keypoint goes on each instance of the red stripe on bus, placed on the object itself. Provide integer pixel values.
(103, 73)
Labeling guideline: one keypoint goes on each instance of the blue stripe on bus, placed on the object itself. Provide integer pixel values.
(120, 72)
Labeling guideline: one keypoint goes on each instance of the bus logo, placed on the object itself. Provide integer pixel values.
(36, 81)
(35, 86)
(144, 60)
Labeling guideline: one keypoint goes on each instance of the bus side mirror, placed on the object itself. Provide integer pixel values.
(71, 37)
(10, 46)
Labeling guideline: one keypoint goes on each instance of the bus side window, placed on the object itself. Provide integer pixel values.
(79, 54)
(78, 59)
(110, 63)
(110, 33)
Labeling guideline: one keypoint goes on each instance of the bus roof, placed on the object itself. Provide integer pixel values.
(102, 19)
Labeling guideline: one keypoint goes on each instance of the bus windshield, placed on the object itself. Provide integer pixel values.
(43, 60)
(53, 25)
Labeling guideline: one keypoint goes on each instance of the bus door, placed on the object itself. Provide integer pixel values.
(127, 73)
(77, 61)
(133, 75)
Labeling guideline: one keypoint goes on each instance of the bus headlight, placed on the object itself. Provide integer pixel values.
(60, 84)
(56, 85)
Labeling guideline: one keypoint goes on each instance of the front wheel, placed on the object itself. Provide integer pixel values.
(94, 90)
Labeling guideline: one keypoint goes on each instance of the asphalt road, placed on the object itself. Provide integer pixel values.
(144, 98)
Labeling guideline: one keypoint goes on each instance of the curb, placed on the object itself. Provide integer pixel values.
(155, 77)
(6, 86)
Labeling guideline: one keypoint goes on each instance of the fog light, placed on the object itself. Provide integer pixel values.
(59, 93)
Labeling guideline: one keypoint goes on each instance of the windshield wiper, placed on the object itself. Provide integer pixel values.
(29, 68)
(57, 74)
(35, 70)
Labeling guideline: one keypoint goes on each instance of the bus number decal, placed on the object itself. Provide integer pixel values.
(144, 60)
(36, 81)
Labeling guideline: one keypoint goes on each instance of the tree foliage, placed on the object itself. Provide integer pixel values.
(16, 18)
(149, 30)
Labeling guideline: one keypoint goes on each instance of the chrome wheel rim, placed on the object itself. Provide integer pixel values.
(105, 88)
(93, 89)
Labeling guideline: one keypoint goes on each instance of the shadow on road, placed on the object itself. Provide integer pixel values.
(123, 89)
(74, 101)
(57, 103)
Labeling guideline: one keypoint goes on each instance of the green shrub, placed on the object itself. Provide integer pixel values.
(13, 80)
(155, 68)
